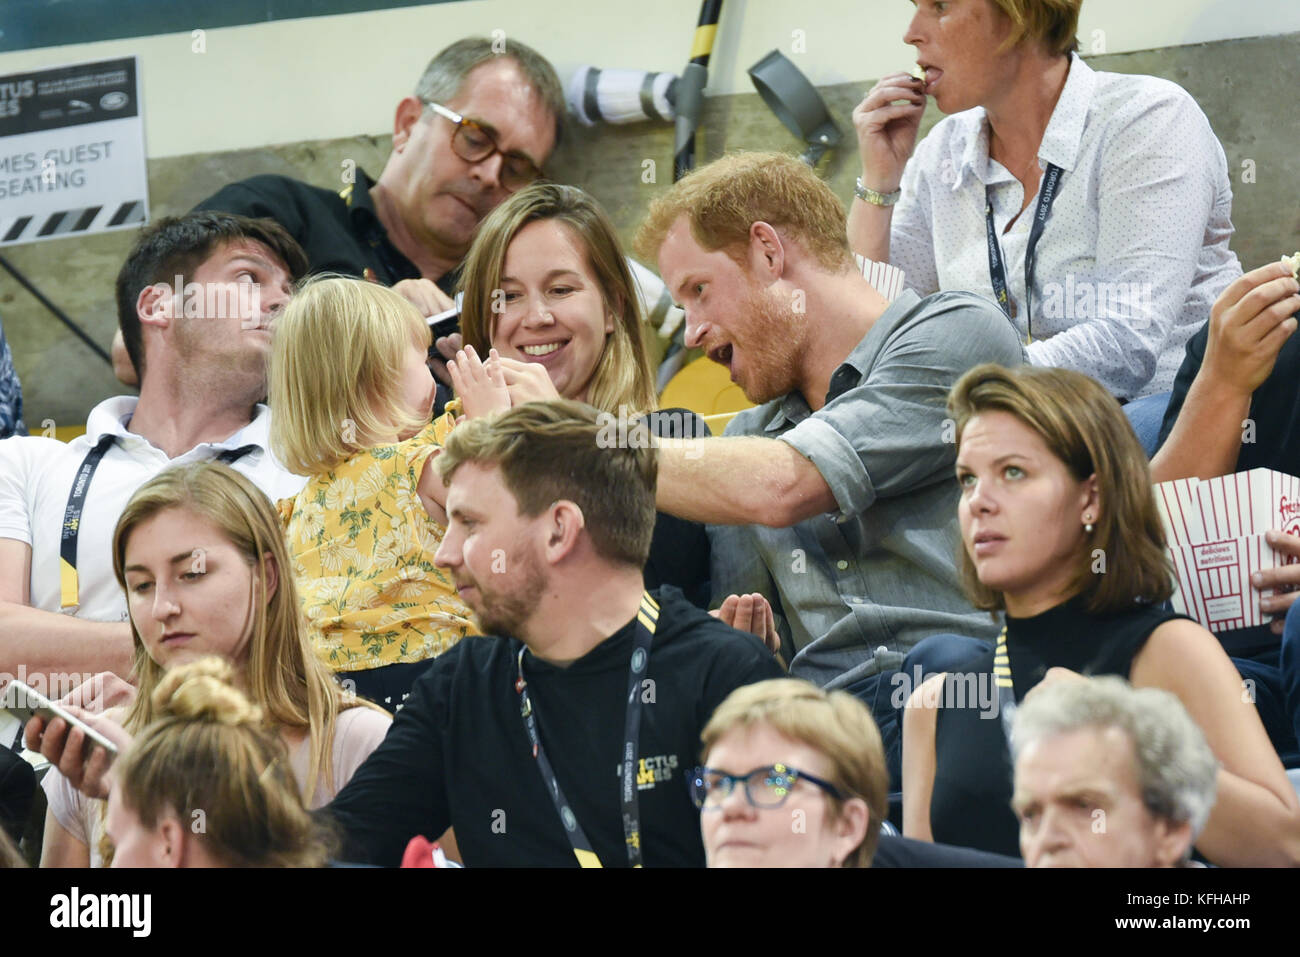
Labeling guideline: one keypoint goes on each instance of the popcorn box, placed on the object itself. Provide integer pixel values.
(1214, 581)
(1216, 540)
(1180, 510)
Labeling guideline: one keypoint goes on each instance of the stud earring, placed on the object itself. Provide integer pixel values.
(1087, 519)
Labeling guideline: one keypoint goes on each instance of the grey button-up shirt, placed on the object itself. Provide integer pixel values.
(857, 588)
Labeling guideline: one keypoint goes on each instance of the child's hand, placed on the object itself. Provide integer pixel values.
(481, 388)
(527, 381)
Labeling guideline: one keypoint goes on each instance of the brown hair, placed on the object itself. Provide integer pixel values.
(623, 376)
(282, 674)
(209, 753)
(725, 198)
(833, 723)
(549, 451)
(177, 246)
(1084, 427)
(1053, 23)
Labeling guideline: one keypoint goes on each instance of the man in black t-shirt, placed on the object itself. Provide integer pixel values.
(549, 530)
(1236, 407)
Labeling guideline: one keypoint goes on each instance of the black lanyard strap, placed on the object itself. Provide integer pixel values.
(69, 590)
(646, 619)
(997, 268)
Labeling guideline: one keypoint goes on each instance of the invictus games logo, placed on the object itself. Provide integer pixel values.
(212, 300)
(653, 770)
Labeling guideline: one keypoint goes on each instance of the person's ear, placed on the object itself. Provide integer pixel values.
(271, 581)
(409, 111)
(170, 835)
(1173, 842)
(850, 829)
(156, 305)
(564, 525)
(1091, 511)
(766, 252)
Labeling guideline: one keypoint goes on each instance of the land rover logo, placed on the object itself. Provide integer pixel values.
(114, 100)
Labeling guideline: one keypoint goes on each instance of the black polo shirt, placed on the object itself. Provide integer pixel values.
(339, 231)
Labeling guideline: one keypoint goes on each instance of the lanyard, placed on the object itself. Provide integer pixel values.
(997, 270)
(646, 619)
(1006, 690)
(68, 587)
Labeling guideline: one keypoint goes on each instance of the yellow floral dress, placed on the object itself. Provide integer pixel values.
(362, 548)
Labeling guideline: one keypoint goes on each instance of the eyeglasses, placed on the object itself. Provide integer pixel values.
(764, 787)
(472, 143)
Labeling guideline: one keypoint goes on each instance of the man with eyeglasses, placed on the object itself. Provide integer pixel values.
(481, 124)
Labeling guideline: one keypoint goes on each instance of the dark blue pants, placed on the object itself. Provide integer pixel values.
(886, 693)
(1275, 677)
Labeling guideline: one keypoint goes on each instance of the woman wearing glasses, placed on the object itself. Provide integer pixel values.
(793, 776)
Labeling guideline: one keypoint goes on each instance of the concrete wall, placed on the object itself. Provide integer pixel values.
(1245, 86)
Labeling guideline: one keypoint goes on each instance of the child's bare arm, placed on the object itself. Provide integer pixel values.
(432, 492)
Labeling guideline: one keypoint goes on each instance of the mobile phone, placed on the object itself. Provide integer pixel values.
(24, 703)
(446, 322)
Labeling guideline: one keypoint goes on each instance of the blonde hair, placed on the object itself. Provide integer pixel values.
(833, 723)
(725, 198)
(338, 350)
(1084, 427)
(623, 376)
(208, 751)
(1052, 23)
(282, 675)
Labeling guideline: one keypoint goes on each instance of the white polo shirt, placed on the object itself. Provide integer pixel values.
(36, 476)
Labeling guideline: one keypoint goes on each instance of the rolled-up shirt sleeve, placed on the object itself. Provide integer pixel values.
(891, 433)
(1156, 192)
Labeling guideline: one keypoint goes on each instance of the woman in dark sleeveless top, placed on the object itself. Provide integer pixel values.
(1061, 532)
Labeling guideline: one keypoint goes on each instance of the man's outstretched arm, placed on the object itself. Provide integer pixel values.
(741, 480)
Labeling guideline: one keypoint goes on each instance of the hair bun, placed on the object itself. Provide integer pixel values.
(204, 690)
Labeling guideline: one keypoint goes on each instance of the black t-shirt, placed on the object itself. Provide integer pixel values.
(1274, 407)
(679, 551)
(339, 231)
(458, 755)
(970, 805)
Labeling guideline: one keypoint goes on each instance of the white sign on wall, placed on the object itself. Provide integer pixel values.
(71, 151)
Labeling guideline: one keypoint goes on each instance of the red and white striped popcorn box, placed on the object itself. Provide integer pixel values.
(1249, 503)
(1213, 584)
(1180, 510)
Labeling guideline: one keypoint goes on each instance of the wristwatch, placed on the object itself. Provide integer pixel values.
(869, 195)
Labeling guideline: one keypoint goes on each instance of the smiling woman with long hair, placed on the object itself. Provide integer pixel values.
(550, 300)
(199, 552)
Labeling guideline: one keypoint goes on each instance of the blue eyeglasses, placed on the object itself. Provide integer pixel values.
(766, 787)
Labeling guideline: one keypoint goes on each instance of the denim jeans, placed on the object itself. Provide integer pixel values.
(1146, 416)
(886, 693)
(1275, 678)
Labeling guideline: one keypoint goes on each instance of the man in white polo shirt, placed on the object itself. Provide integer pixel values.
(195, 300)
